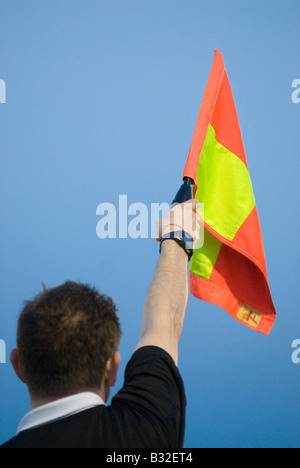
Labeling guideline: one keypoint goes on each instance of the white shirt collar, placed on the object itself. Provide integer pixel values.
(59, 409)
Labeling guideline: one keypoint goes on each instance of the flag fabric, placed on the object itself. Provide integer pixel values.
(229, 270)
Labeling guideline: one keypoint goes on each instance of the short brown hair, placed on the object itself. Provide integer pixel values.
(65, 337)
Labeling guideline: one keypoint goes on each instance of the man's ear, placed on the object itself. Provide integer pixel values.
(14, 359)
(111, 371)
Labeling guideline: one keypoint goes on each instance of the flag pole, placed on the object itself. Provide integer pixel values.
(185, 192)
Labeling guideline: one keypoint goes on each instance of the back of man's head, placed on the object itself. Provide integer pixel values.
(66, 335)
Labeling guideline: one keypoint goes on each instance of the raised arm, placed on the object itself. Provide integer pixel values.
(167, 297)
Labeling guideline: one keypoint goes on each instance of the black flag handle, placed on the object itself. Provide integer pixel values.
(185, 192)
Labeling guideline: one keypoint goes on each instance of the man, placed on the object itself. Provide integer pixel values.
(67, 355)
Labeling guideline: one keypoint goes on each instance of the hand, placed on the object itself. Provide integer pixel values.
(182, 217)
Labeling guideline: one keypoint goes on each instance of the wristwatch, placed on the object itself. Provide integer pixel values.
(181, 238)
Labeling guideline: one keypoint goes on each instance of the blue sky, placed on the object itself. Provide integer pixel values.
(102, 99)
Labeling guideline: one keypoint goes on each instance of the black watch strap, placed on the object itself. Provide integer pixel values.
(181, 238)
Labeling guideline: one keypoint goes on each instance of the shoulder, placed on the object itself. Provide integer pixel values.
(153, 379)
(152, 396)
(151, 354)
(152, 360)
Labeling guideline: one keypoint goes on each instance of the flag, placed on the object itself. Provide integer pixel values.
(229, 270)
